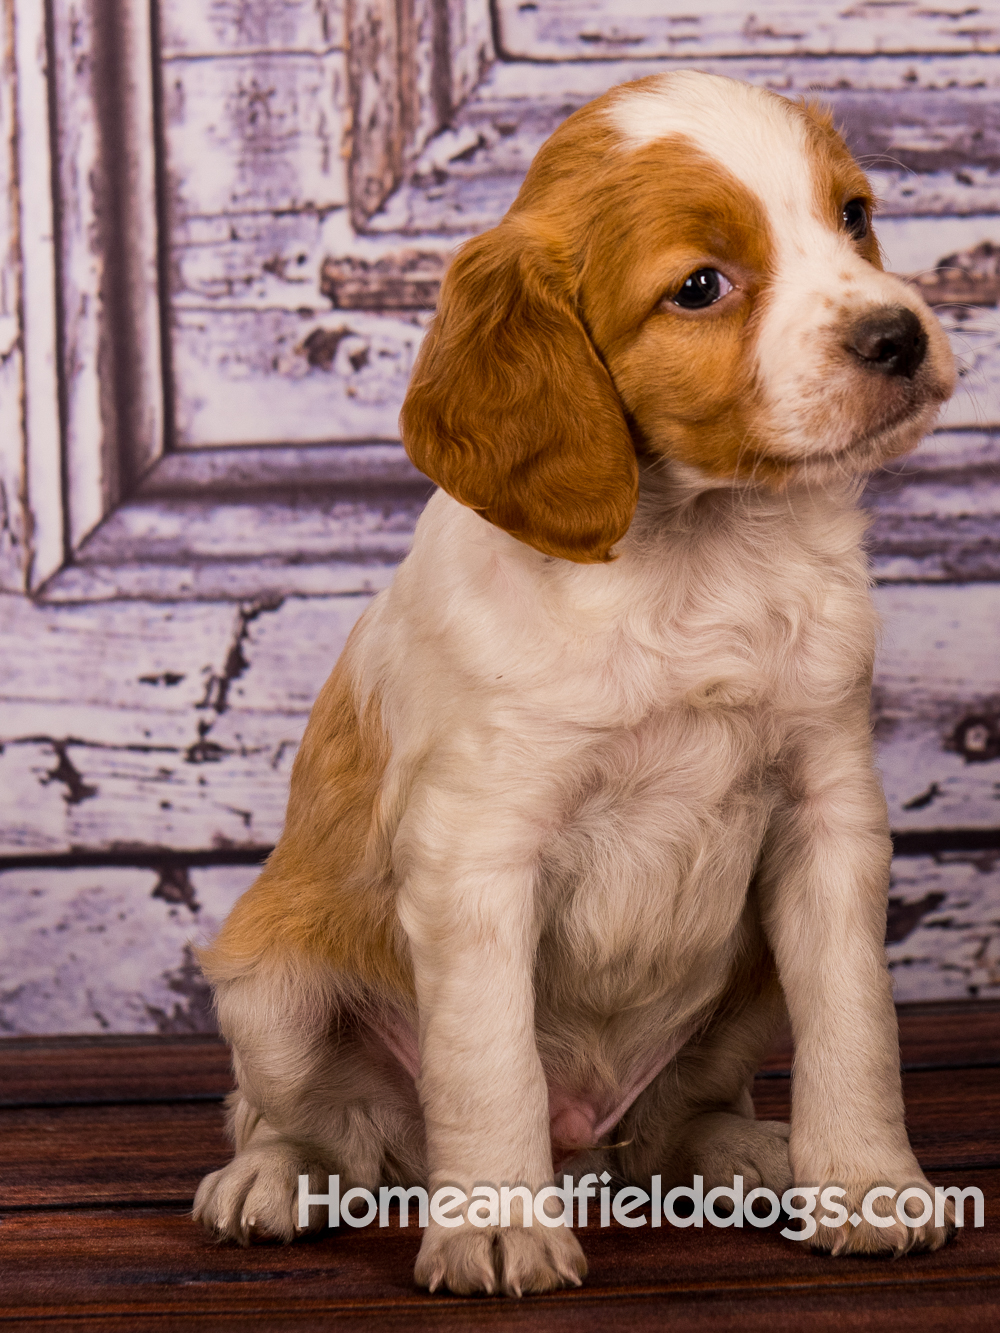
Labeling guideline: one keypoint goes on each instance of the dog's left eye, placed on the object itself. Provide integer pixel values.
(702, 288)
(855, 217)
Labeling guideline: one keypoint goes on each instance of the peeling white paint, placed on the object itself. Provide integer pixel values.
(953, 952)
(96, 951)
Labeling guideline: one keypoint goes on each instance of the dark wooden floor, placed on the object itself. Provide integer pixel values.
(103, 1140)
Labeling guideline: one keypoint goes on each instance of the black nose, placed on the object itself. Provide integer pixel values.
(890, 340)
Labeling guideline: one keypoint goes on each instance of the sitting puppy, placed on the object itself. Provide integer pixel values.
(589, 796)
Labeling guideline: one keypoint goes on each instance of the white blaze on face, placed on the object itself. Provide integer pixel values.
(814, 398)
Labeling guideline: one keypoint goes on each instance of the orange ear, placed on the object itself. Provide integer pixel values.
(511, 410)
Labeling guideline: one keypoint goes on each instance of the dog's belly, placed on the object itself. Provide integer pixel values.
(646, 900)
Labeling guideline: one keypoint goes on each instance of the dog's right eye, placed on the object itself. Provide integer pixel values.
(702, 288)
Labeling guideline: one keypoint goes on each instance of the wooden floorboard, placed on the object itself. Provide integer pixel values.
(95, 1230)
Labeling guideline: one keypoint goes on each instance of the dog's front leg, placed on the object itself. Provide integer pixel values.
(824, 880)
(467, 868)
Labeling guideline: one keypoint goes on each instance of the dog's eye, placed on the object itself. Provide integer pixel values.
(702, 288)
(855, 217)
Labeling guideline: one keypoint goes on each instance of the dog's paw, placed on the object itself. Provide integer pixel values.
(514, 1261)
(719, 1146)
(256, 1197)
(856, 1234)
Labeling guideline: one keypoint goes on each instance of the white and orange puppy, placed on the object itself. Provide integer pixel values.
(590, 795)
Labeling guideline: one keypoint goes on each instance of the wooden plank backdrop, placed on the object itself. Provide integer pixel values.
(154, 691)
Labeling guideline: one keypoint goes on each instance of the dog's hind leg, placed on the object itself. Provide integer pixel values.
(319, 1094)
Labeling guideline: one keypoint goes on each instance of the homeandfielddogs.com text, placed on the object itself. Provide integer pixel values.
(592, 1199)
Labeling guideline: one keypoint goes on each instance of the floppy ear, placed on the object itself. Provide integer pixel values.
(510, 409)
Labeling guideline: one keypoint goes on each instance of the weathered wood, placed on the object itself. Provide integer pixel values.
(232, 27)
(361, 468)
(376, 531)
(936, 514)
(72, 1270)
(334, 519)
(925, 129)
(13, 512)
(470, 45)
(257, 577)
(936, 642)
(272, 376)
(277, 377)
(96, 1154)
(110, 949)
(113, 391)
(187, 719)
(407, 279)
(602, 29)
(410, 279)
(544, 82)
(398, 57)
(466, 179)
(261, 132)
(36, 233)
(943, 938)
(61, 1071)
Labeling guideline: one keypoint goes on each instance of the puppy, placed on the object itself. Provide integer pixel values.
(590, 796)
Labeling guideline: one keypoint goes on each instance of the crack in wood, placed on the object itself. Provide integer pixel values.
(196, 1013)
(174, 886)
(217, 691)
(903, 917)
(924, 799)
(66, 771)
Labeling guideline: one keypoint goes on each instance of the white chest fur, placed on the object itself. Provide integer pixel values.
(641, 706)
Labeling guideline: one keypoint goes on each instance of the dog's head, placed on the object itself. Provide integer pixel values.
(689, 270)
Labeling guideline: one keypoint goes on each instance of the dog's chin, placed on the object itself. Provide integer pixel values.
(864, 452)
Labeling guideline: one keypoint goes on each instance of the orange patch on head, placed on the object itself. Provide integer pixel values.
(685, 377)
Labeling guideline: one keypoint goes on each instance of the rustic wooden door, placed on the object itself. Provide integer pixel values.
(222, 240)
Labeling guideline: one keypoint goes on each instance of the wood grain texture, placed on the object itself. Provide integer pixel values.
(117, 1154)
(38, 1071)
(232, 27)
(259, 132)
(377, 132)
(91, 1155)
(13, 512)
(110, 949)
(41, 427)
(280, 377)
(158, 1262)
(943, 933)
(96, 1229)
(939, 1035)
(601, 29)
(923, 127)
(470, 46)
